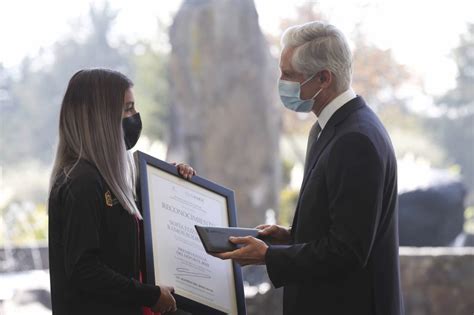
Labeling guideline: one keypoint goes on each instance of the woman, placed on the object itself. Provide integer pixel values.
(94, 222)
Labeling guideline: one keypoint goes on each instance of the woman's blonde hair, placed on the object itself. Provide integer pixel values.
(90, 128)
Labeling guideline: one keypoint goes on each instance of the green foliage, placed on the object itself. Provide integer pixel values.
(23, 224)
(288, 196)
(469, 220)
(288, 200)
(287, 166)
(151, 89)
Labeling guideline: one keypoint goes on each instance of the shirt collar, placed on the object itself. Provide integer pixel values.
(334, 105)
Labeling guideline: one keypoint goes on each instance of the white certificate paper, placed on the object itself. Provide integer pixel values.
(180, 260)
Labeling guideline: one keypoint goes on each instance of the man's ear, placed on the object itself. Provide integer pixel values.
(325, 78)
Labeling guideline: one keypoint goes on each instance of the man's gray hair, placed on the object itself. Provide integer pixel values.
(320, 46)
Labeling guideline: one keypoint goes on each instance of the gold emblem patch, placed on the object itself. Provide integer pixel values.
(108, 199)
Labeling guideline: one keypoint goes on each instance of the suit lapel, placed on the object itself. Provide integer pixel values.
(328, 133)
(325, 138)
(317, 148)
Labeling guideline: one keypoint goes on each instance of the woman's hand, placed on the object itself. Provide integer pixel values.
(166, 303)
(275, 234)
(185, 170)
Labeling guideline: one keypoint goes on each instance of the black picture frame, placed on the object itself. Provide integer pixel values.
(143, 160)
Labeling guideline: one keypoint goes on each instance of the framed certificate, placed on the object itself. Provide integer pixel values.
(175, 256)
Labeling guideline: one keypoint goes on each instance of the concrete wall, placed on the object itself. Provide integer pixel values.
(436, 281)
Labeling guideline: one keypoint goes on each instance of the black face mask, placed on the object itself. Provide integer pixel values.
(132, 127)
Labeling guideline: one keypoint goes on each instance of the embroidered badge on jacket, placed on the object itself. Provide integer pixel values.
(108, 199)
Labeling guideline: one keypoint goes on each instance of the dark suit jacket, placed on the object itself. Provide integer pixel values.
(344, 253)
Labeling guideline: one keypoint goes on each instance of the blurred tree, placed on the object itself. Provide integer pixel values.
(152, 88)
(30, 104)
(30, 99)
(462, 96)
(377, 76)
(411, 135)
(455, 129)
(6, 82)
(23, 223)
(30, 132)
(7, 109)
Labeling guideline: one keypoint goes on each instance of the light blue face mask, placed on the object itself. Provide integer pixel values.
(290, 95)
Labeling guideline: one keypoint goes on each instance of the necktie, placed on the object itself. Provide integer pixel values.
(312, 139)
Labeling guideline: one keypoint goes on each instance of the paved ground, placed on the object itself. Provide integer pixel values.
(25, 293)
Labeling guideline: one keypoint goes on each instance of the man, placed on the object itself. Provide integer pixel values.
(340, 255)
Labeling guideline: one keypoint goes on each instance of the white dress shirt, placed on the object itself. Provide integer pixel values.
(334, 105)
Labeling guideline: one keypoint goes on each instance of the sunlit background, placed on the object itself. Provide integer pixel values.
(413, 63)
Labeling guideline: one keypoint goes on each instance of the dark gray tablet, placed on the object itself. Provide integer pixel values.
(216, 239)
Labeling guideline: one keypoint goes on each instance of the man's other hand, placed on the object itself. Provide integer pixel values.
(275, 234)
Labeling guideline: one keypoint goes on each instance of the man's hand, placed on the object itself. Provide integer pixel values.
(275, 234)
(252, 253)
(166, 303)
(185, 170)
